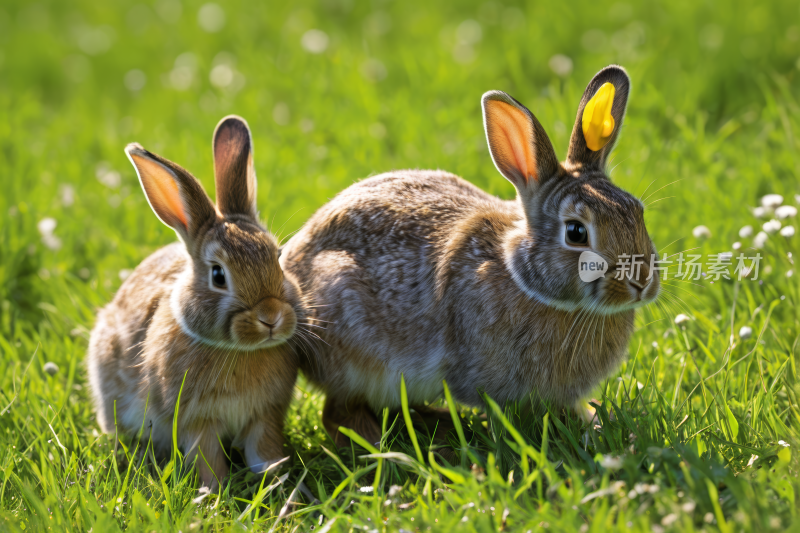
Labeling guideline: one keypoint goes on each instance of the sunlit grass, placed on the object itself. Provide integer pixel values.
(698, 429)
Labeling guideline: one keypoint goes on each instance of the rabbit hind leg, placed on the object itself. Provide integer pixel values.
(353, 415)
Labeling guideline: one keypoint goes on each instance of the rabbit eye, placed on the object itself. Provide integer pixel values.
(218, 277)
(576, 233)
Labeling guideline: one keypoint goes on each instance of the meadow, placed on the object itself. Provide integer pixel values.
(697, 431)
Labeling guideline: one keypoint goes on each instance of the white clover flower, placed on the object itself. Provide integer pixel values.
(669, 519)
(786, 211)
(760, 239)
(701, 232)
(783, 443)
(610, 462)
(51, 241)
(737, 245)
(771, 201)
(681, 318)
(771, 226)
(46, 226)
(745, 232)
(787, 232)
(315, 41)
(745, 332)
(759, 212)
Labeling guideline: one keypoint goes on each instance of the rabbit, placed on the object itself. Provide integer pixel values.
(421, 274)
(209, 322)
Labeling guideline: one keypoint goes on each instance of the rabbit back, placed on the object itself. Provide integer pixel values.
(114, 360)
(409, 275)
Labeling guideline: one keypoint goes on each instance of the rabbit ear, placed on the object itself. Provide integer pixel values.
(234, 172)
(177, 198)
(520, 148)
(599, 120)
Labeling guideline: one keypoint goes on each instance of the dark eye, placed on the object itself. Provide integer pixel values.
(218, 276)
(576, 233)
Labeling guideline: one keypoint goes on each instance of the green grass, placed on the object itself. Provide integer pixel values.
(714, 104)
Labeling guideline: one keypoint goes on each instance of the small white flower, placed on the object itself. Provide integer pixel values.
(46, 226)
(752, 460)
(655, 345)
(669, 519)
(745, 232)
(771, 201)
(315, 41)
(786, 211)
(67, 194)
(610, 462)
(787, 232)
(789, 273)
(52, 369)
(366, 489)
(760, 239)
(688, 507)
(701, 232)
(759, 212)
(681, 318)
(771, 226)
(737, 245)
(51, 241)
(783, 443)
(745, 332)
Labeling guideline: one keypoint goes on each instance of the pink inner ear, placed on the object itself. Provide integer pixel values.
(511, 138)
(162, 191)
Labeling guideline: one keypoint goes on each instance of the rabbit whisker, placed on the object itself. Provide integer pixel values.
(664, 187)
(656, 201)
(311, 325)
(651, 183)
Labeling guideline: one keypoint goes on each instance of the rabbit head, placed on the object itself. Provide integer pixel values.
(573, 212)
(234, 294)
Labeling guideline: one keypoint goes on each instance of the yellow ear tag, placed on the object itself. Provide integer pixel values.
(597, 122)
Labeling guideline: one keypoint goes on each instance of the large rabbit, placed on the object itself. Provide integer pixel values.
(423, 274)
(213, 315)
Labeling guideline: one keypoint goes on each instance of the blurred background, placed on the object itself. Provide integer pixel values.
(337, 90)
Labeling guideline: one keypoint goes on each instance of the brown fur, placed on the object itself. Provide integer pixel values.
(422, 274)
(229, 351)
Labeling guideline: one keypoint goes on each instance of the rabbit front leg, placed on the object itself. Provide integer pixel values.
(203, 448)
(263, 442)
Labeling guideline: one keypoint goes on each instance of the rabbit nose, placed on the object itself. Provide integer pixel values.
(637, 284)
(271, 321)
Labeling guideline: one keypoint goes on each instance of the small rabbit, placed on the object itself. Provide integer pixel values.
(421, 273)
(209, 320)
